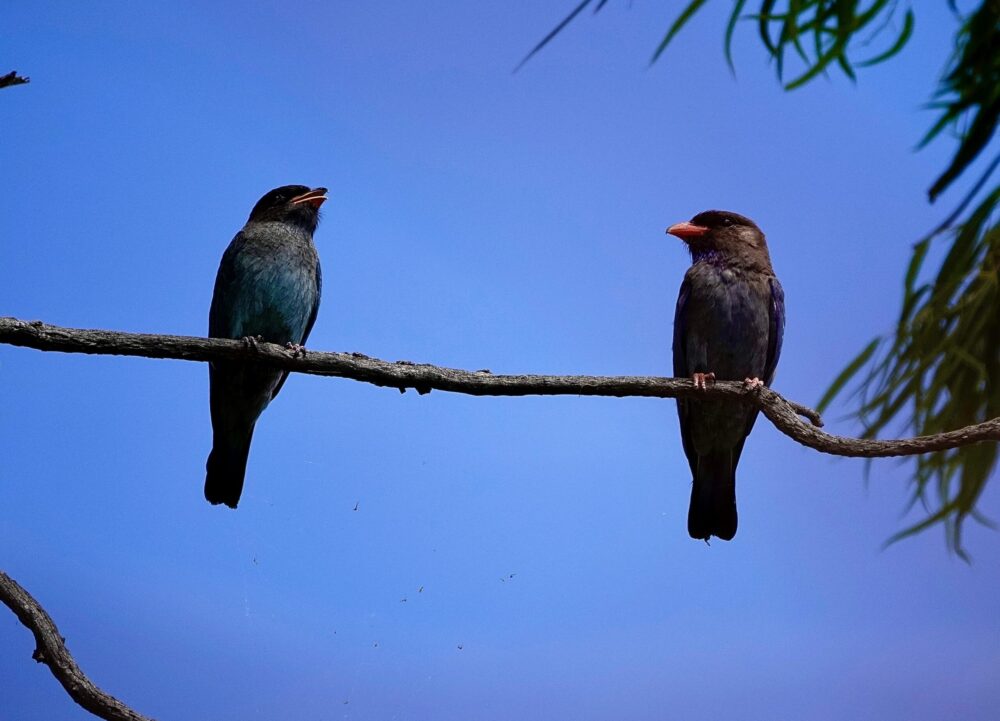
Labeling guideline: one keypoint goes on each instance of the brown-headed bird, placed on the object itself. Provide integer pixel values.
(728, 325)
(267, 288)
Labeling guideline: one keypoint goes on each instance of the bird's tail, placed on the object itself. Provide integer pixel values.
(713, 497)
(225, 469)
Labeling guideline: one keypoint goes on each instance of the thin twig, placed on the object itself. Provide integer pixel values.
(424, 378)
(50, 649)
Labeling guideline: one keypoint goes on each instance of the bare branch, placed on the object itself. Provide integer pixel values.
(12, 78)
(50, 649)
(402, 375)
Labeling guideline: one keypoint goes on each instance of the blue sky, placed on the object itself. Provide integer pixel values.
(477, 218)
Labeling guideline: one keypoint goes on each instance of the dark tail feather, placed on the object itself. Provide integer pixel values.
(226, 467)
(713, 497)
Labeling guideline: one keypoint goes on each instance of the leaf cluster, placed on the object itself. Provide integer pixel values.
(969, 93)
(940, 369)
(819, 32)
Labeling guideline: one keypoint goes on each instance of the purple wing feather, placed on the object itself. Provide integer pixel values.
(681, 370)
(775, 335)
(776, 331)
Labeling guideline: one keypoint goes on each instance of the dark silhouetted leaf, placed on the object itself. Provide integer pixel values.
(730, 28)
(916, 262)
(555, 31)
(904, 37)
(679, 23)
(845, 375)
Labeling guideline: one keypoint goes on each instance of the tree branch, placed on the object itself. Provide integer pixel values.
(12, 78)
(423, 378)
(51, 650)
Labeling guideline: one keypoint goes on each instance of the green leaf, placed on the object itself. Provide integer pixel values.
(555, 31)
(916, 262)
(904, 37)
(969, 92)
(834, 53)
(763, 29)
(730, 28)
(943, 122)
(940, 515)
(980, 133)
(846, 67)
(679, 23)
(845, 375)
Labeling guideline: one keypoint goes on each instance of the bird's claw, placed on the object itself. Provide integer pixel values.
(752, 384)
(297, 349)
(701, 380)
(251, 341)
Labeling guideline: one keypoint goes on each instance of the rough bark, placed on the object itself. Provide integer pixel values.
(50, 649)
(784, 414)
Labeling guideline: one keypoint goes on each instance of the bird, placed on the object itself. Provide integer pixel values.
(267, 289)
(728, 325)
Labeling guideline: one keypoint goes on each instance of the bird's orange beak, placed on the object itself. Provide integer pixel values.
(314, 197)
(687, 230)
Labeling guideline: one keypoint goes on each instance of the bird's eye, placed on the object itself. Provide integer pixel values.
(726, 222)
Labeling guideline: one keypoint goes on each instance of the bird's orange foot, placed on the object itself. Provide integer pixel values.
(752, 384)
(251, 341)
(701, 380)
(297, 349)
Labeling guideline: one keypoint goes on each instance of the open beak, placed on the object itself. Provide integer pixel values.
(314, 197)
(687, 230)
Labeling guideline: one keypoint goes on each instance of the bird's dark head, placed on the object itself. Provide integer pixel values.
(296, 204)
(720, 233)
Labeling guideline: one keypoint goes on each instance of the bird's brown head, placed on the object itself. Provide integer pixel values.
(723, 234)
(290, 203)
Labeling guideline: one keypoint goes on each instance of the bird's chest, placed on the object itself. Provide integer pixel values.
(727, 323)
(278, 290)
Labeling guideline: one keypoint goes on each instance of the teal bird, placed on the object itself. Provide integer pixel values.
(267, 288)
(729, 323)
